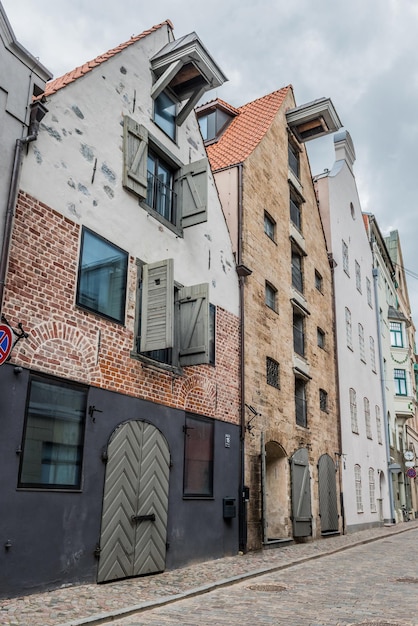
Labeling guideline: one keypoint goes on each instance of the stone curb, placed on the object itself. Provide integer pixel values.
(104, 618)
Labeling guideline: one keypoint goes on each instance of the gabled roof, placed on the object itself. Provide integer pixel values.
(246, 130)
(54, 85)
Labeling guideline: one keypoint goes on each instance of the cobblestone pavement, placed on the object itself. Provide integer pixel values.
(373, 583)
(98, 604)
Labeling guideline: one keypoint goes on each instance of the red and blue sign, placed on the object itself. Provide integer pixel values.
(6, 342)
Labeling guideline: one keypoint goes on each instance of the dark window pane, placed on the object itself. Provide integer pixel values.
(53, 440)
(298, 334)
(269, 226)
(102, 277)
(293, 159)
(300, 402)
(198, 457)
(295, 214)
(165, 114)
(297, 276)
(160, 188)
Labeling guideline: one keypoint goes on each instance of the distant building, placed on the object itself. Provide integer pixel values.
(121, 410)
(289, 407)
(365, 473)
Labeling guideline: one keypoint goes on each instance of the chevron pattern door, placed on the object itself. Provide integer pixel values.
(134, 519)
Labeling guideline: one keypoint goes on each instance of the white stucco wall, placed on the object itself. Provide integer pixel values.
(85, 123)
(336, 191)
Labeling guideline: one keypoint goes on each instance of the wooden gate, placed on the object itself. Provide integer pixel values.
(301, 494)
(134, 518)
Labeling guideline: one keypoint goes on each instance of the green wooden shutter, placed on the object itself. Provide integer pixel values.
(157, 306)
(193, 193)
(135, 142)
(194, 324)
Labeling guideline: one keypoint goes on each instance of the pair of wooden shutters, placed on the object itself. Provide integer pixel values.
(191, 179)
(165, 318)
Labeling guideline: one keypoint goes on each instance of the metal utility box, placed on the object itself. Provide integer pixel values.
(229, 508)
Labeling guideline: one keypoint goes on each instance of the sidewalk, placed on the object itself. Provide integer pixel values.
(97, 604)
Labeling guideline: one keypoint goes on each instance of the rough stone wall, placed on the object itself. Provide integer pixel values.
(67, 341)
(270, 334)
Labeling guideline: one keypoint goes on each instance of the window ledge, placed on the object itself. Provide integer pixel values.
(173, 227)
(156, 365)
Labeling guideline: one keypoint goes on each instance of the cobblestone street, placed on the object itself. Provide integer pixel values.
(343, 580)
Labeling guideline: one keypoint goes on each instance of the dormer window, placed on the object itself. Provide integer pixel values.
(213, 119)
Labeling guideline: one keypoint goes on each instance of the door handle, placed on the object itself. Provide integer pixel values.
(143, 518)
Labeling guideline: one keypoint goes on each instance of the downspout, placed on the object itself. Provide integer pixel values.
(382, 385)
(38, 110)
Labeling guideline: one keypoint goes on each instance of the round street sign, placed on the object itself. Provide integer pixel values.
(411, 473)
(6, 342)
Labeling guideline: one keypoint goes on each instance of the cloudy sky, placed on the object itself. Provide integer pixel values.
(363, 54)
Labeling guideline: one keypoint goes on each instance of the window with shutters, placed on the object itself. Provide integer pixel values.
(175, 325)
(176, 194)
(102, 277)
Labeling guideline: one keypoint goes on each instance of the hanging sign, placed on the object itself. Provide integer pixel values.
(6, 342)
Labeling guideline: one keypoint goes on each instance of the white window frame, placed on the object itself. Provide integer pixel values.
(346, 261)
(348, 328)
(359, 494)
(367, 418)
(361, 343)
(372, 491)
(358, 276)
(353, 410)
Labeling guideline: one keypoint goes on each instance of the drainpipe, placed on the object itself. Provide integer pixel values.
(382, 385)
(242, 272)
(38, 110)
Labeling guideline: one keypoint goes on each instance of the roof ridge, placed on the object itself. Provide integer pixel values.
(58, 83)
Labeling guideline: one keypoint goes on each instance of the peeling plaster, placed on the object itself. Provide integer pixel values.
(108, 173)
(71, 183)
(78, 131)
(120, 88)
(71, 209)
(123, 70)
(38, 156)
(52, 132)
(55, 119)
(87, 152)
(83, 189)
(109, 191)
(192, 143)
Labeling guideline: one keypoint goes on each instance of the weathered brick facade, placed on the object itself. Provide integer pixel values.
(69, 342)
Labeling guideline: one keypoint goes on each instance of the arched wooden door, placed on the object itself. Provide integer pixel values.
(135, 503)
(301, 494)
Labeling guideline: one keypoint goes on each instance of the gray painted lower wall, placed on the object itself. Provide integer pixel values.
(53, 534)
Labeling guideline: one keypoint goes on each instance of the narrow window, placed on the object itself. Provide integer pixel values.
(353, 411)
(320, 338)
(396, 338)
(198, 456)
(358, 276)
(361, 343)
(372, 491)
(348, 328)
(52, 447)
(102, 277)
(323, 400)
(300, 402)
(271, 296)
(269, 226)
(372, 354)
(359, 495)
(272, 373)
(293, 155)
(297, 274)
(367, 418)
(160, 187)
(295, 211)
(346, 266)
(318, 281)
(369, 292)
(400, 382)
(165, 114)
(378, 425)
(298, 333)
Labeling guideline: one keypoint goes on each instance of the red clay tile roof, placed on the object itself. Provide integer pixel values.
(70, 77)
(246, 131)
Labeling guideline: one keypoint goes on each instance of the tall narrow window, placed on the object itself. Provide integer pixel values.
(300, 402)
(361, 343)
(165, 114)
(369, 292)
(346, 265)
(359, 495)
(160, 187)
(320, 336)
(293, 155)
(295, 211)
(269, 226)
(353, 410)
(298, 333)
(396, 339)
(358, 276)
(54, 433)
(372, 491)
(297, 275)
(271, 296)
(198, 456)
(400, 382)
(378, 425)
(372, 354)
(367, 418)
(102, 277)
(348, 328)
(323, 400)
(318, 281)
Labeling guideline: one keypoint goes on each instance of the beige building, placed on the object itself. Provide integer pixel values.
(290, 435)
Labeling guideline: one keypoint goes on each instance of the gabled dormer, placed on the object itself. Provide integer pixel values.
(214, 118)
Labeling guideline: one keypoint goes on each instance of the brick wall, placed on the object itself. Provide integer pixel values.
(69, 342)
